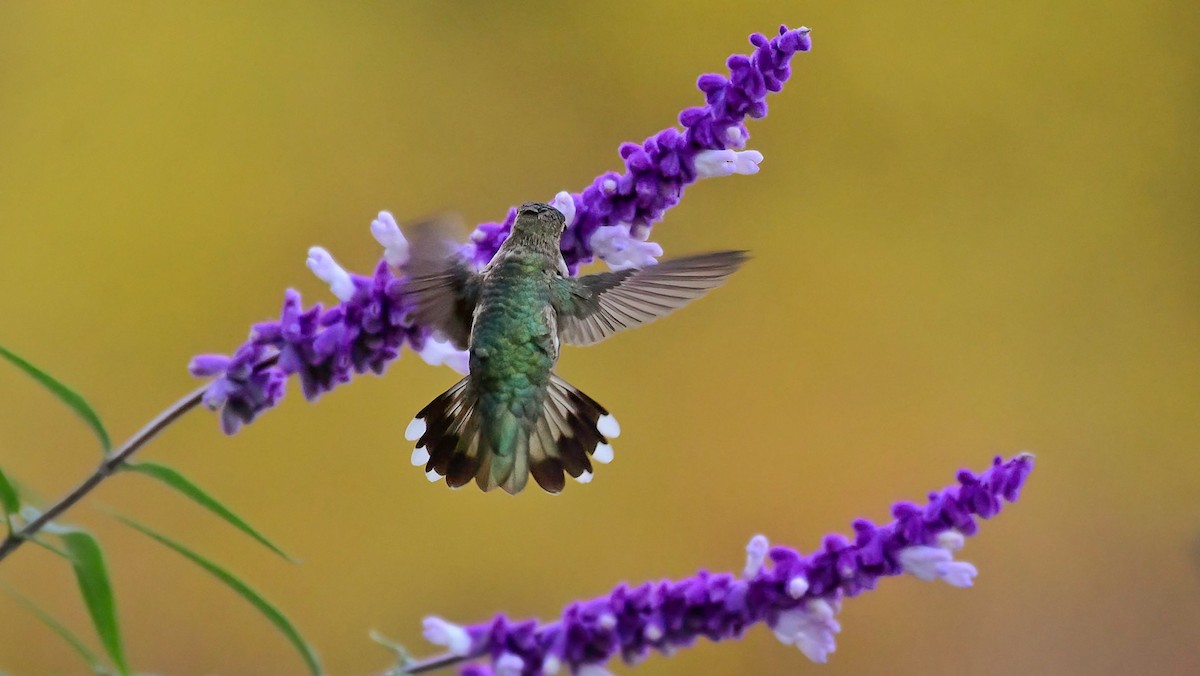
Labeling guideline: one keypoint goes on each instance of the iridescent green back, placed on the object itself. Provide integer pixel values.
(513, 347)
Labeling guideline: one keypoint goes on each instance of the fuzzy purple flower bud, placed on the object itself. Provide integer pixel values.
(797, 596)
(611, 218)
(242, 389)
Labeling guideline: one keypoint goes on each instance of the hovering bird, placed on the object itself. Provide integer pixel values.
(512, 416)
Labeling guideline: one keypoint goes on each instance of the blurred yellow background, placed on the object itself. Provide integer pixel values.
(975, 232)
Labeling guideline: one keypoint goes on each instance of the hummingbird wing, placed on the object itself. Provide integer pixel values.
(593, 307)
(443, 287)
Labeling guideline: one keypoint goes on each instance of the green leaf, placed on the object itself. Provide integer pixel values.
(10, 502)
(66, 634)
(88, 561)
(272, 613)
(66, 394)
(181, 483)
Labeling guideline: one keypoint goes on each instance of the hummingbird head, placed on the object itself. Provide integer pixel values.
(539, 224)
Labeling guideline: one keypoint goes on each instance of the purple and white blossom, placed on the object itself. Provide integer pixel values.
(386, 231)
(620, 248)
(439, 351)
(327, 270)
(659, 169)
(611, 218)
(797, 596)
(361, 334)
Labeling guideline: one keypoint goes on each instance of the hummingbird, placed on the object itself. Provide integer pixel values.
(512, 416)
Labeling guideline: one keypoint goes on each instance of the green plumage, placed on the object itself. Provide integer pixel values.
(513, 348)
(511, 417)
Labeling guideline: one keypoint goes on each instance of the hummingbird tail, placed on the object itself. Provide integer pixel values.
(570, 431)
(447, 433)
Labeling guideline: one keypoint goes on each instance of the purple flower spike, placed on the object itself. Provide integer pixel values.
(324, 347)
(658, 170)
(797, 596)
(611, 218)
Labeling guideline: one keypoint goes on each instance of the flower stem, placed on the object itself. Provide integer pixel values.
(112, 461)
(434, 663)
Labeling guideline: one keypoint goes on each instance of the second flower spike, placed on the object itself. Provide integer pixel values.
(511, 416)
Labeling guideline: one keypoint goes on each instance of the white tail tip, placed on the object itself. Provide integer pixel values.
(603, 454)
(420, 456)
(432, 475)
(607, 425)
(415, 429)
(584, 478)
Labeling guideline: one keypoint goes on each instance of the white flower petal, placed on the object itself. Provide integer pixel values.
(950, 540)
(447, 634)
(437, 352)
(810, 628)
(618, 246)
(935, 563)
(387, 233)
(327, 270)
(565, 204)
(710, 163)
(958, 573)
(922, 562)
(756, 554)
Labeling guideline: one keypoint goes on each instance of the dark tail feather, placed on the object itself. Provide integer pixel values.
(571, 431)
(447, 436)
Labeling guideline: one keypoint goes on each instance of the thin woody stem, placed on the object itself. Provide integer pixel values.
(436, 662)
(112, 461)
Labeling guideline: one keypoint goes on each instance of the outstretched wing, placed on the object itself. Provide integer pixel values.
(593, 307)
(443, 287)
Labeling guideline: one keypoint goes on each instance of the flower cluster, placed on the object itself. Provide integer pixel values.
(797, 596)
(611, 219)
(658, 170)
(324, 347)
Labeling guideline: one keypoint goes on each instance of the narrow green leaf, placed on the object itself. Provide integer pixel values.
(66, 394)
(66, 634)
(88, 561)
(252, 597)
(182, 484)
(41, 542)
(10, 502)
